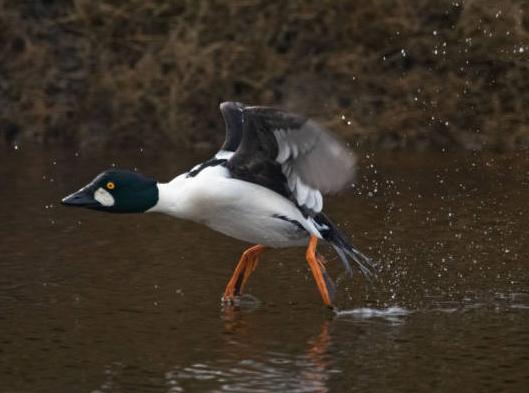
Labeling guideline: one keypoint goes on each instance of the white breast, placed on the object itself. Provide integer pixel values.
(234, 207)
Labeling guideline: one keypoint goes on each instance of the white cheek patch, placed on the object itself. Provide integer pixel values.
(104, 197)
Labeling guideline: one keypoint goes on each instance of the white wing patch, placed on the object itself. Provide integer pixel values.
(104, 197)
(290, 151)
(305, 195)
(223, 155)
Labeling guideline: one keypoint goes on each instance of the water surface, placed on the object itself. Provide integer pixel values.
(91, 302)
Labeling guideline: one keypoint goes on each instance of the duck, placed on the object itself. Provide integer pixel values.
(264, 186)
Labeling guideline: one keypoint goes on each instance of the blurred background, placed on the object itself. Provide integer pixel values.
(387, 74)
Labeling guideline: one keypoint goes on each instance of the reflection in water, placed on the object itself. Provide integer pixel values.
(241, 368)
(92, 303)
(318, 353)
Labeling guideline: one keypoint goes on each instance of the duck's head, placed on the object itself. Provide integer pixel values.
(116, 191)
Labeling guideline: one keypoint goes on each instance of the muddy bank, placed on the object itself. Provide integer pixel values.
(391, 74)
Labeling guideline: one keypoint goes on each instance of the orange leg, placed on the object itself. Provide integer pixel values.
(245, 267)
(321, 277)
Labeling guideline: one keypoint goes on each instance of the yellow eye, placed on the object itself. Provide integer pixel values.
(111, 185)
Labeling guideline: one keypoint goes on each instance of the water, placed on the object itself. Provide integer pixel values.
(121, 303)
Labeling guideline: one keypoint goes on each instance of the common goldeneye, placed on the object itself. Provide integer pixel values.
(264, 186)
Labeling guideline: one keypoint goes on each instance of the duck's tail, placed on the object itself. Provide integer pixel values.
(343, 248)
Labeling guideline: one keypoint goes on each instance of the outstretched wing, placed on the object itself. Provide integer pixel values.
(291, 155)
(232, 112)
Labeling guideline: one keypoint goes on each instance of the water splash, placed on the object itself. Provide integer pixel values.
(368, 312)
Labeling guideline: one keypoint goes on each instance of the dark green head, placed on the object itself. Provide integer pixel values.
(116, 191)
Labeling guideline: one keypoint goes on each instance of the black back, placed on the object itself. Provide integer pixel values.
(255, 158)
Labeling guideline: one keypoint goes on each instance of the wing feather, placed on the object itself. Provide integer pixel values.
(232, 112)
(317, 157)
(302, 158)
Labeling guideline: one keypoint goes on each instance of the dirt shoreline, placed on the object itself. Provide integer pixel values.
(384, 74)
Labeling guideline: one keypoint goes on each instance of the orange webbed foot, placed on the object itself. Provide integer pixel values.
(246, 266)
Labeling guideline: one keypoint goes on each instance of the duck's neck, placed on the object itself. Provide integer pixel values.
(171, 198)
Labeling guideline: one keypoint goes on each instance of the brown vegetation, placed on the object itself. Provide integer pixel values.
(392, 73)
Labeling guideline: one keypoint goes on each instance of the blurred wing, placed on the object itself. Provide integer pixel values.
(291, 155)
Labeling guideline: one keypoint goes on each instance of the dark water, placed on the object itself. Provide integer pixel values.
(111, 303)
